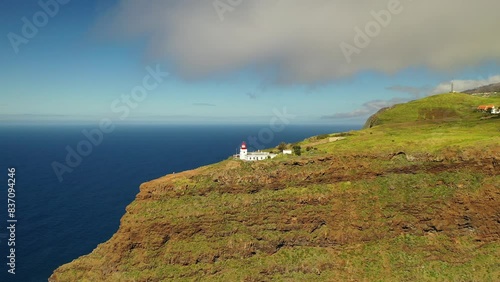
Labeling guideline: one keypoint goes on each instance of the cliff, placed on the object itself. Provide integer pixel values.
(413, 198)
(373, 120)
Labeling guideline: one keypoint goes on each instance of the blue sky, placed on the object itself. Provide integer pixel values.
(238, 62)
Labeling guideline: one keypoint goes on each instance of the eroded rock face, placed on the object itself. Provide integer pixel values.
(241, 211)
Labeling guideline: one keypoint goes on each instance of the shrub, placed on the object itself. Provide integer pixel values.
(281, 146)
(297, 150)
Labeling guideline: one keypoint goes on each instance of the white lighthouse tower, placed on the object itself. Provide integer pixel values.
(243, 151)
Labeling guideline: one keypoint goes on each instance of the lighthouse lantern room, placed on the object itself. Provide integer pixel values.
(243, 151)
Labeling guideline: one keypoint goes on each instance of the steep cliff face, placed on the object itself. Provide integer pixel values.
(379, 205)
(373, 119)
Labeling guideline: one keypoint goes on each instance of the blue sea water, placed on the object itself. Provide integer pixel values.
(60, 221)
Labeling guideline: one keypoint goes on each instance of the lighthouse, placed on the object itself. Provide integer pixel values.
(243, 151)
(253, 156)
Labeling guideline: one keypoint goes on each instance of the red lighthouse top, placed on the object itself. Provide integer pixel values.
(243, 145)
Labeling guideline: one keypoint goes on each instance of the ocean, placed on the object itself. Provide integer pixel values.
(58, 221)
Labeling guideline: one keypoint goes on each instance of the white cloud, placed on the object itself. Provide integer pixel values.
(367, 109)
(297, 41)
(416, 92)
(463, 85)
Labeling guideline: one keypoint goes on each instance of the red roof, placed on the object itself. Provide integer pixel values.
(243, 145)
(485, 107)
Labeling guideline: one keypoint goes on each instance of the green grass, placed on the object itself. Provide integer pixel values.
(404, 258)
(458, 106)
(403, 128)
(230, 250)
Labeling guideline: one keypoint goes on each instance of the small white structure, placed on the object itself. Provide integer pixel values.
(253, 156)
(287, 152)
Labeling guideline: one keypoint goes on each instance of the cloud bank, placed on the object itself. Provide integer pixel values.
(298, 41)
(416, 92)
(463, 85)
(367, 109)
(373, 106)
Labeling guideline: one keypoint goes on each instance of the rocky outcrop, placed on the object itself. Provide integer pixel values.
(373, 120)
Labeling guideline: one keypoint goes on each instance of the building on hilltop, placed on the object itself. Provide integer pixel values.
(253, 156)
(485, 108)
(489, 108)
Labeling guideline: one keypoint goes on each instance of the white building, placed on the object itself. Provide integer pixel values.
(287, 152)
(253, 156)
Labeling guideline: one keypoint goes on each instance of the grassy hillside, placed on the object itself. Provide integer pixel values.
(438, 108)
(430, 126)
(410, 199)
